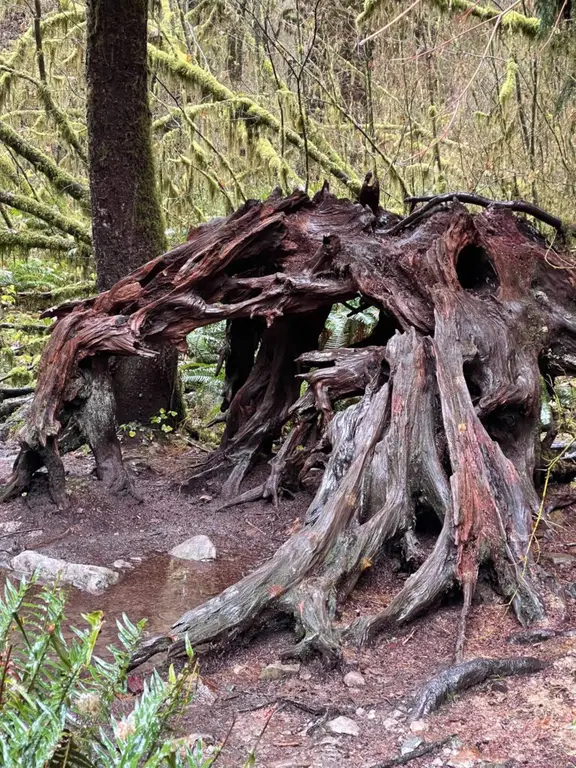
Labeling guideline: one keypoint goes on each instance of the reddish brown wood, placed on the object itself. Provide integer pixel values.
(474, 308)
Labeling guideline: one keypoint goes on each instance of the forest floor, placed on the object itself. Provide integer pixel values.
(518, 721)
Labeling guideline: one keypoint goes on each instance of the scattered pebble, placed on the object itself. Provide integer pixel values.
(277, 671)
(419, 726)
(563, 559)
(354, 680)
(123, 564)
(344, 725)
(410, 745)
(197, 548)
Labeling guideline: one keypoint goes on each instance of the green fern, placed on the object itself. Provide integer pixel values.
(56, 694)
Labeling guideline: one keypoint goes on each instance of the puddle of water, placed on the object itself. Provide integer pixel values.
(160, 588)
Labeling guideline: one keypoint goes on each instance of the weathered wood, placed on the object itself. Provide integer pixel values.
(474, 308)
(466, 675)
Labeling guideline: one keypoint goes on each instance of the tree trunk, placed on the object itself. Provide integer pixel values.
(431, 422)
(127, 222)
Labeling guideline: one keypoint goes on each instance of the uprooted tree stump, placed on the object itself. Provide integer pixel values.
(442, 416)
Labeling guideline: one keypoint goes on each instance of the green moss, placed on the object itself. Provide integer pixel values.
(209, 85)
(53, 217)
(25, 241)
(370, 8)
(511, 20)
(60, 179)
(507, 88)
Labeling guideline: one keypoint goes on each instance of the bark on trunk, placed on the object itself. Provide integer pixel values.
(443, 428)
(127, 222)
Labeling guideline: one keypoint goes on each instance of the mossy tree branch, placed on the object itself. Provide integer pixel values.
(511, 20)
(53, 217)
(208, 84)
(53, 111)
(26, 241)
(60, 179)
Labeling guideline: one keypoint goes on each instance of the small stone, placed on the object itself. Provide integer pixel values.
(390, 724)
(398, 714)
(410, 745)
(205, 738)
(136, 559)
(563, 559)
(206, 498)
(305, 675)
(277, 671)
(197, 548)
(344, 725)
(10, 526)
(418, 726)
(360, 712)
(465, 758)
(202, 693)
(90, 578)
(371, 715)
(354, 680)
(437, 762)
(123, 564)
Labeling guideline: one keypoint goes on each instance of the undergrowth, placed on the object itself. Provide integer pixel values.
(61, 704)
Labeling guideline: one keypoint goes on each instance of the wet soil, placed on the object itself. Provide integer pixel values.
(523, 721)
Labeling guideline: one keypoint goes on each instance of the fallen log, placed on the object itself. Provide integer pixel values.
(432, 420)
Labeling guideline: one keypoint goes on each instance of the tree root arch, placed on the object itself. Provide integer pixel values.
(445, 393)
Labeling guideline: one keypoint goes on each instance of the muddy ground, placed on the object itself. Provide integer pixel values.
(521, 721)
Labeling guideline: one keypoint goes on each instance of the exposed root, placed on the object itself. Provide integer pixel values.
(466, 675)
(432, 419)
(421, 751)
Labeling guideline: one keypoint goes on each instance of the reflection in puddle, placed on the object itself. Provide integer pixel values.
(160, 589)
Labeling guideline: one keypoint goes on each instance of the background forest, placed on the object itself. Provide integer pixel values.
(433, 95)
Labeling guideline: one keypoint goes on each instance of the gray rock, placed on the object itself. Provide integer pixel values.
(277, 671)
(123, 564)
(90, 578)
(10, 526)
(197, 548)
(354, 680)
(410, 745)
(344, 725)
(563, 559)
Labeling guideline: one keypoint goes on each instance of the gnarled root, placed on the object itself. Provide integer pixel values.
(466, 675)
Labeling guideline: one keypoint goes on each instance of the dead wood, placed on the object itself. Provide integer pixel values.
(431, 420)
(421, 751)
(469, 673)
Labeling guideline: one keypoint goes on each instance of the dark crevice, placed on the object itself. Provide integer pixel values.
(472, 371)
(475, 271)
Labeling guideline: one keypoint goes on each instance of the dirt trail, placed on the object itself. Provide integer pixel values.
(513, 722)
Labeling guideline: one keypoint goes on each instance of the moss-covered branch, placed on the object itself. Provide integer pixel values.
(50, 24)
(59, 178)
(25, 241)
(53, 111)
(511, 20)
(53, 217)
(208, 84)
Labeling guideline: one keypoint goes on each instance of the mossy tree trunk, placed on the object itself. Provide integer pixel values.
(127, 221)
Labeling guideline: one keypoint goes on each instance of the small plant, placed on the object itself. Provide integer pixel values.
(163, 418)
(59, 701)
